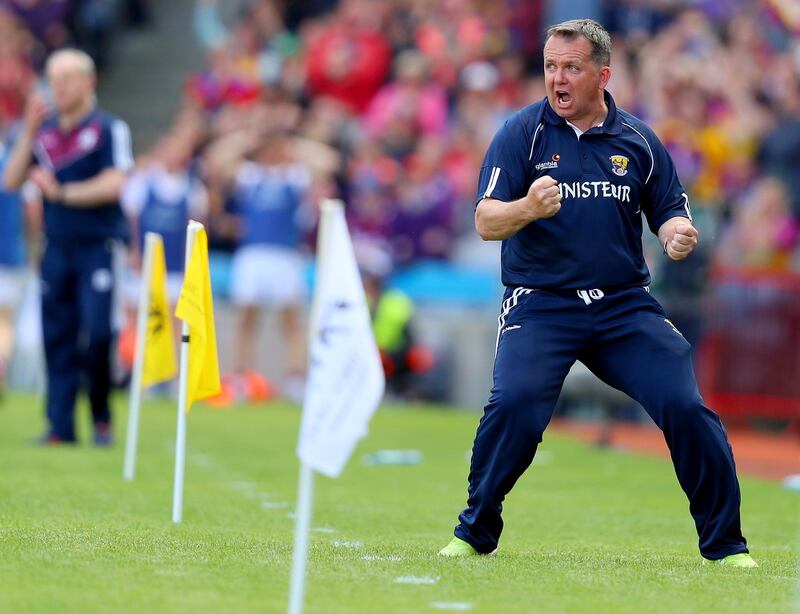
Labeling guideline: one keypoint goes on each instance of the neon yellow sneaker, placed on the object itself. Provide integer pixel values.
(458, 548)
(733, 560)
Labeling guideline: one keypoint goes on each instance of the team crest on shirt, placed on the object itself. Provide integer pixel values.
(619, 165)
(87, 138)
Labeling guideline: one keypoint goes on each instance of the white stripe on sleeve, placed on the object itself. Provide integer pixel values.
(686, 206)
(121, 145)
(492, 182)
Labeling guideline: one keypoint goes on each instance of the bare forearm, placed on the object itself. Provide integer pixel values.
(18, 162)
(103, 189)
(496, 220)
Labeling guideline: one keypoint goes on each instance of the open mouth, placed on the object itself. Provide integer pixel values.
(563, 98)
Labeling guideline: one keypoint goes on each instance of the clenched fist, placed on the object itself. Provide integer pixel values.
(544, 198)
(36, 109)
(682, 241)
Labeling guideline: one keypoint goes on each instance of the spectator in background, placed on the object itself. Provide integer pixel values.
(780, 149)
(46, 21)
(404, 360)
(13, 267)
(78, 157)
(407, 108)
(373, 177)
(162, 196)
(349, 58)
(229, 78)
(266, 195)
(425, 223)
(763, 232)
(480, 108)
(16, 73)
(92, 24)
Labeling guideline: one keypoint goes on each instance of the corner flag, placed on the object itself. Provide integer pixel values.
(154, 359)
(199, 373)
(196, 308)
(159, 364)
(345, 380)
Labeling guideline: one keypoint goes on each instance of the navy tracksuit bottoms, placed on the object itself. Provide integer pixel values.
(624, 338)
(77, 298)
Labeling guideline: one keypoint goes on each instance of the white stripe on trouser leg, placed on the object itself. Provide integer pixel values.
(508, 305)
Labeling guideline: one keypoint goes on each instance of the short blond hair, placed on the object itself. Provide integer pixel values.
(592, 31)
(82, 60)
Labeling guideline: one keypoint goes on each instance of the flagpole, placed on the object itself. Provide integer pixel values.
(180, 437)
(305, 486)
(135, 400)
(305, 495)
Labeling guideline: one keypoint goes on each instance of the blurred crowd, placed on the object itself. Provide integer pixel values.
(390, 106)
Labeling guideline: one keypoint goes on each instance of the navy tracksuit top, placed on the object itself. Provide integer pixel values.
(608, 177)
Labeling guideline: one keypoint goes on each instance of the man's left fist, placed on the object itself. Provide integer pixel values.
(683, 241)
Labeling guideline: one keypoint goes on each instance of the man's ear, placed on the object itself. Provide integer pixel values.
(605, 76)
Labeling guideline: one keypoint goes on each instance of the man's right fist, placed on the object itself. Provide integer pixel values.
(544, 197)
(35, 111)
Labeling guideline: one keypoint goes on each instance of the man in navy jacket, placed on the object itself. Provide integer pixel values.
(78, 157)
(565, 184)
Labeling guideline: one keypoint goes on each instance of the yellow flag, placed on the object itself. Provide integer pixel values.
(196, 308)
(159, 345)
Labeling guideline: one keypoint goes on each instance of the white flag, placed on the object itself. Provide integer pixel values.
(345, 379)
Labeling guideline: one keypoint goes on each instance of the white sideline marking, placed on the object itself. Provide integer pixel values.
(202, 460)
(324, 530)
(451, 605)
(247, 488)
(274, 505)
(346, 544)
(375, 557)
(416, 580)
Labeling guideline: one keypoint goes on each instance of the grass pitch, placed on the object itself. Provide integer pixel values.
(586, 530)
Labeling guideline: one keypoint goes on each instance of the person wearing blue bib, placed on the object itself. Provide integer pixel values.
(162, 197)
(267, 197)
(12, 266)
(564, 185)
(78, 157)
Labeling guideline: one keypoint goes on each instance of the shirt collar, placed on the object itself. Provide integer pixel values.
(612, 124)
(83, 122)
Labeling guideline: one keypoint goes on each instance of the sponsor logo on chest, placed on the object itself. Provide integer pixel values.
(550, 164)
(595, 189)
